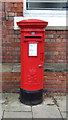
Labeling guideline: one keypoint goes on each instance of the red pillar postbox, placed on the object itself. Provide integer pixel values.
(32, 60)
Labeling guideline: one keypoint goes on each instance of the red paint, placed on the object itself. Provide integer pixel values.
(32, 73)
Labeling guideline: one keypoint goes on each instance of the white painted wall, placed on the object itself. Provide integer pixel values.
(52, 21)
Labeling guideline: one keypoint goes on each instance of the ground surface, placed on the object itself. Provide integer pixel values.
(52, 107)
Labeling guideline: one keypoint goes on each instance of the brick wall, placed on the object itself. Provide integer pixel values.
(55, 53)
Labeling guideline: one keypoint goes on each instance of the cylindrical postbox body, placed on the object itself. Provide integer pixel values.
(32, 60)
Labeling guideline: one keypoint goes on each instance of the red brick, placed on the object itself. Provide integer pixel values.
(10, 5)
(15, 5)
(19, 14)
(60, 36)
(20, 9)
(8, 23)
(56, 86)
(12, 45)
(14, 9)
(56, 44)
(20, 5)
(50, 74)
(59, 74)
(55, 83)
(58, 40)
(64, 40)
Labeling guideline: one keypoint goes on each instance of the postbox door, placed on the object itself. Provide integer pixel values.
(32, 72)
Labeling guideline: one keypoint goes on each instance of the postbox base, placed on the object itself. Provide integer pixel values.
(31, 97)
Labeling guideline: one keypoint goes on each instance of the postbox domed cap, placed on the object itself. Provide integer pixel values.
(32, 23)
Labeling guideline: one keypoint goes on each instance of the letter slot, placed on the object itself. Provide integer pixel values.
(38, 37)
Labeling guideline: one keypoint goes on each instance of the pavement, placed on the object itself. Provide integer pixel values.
(52, 108)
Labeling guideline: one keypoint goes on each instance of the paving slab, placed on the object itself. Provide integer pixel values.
(17, 115)
(13, 104)
(18, 108)
(67, 106)
(61, 100)
(1, 112)
(48, 101)
(46, 110)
